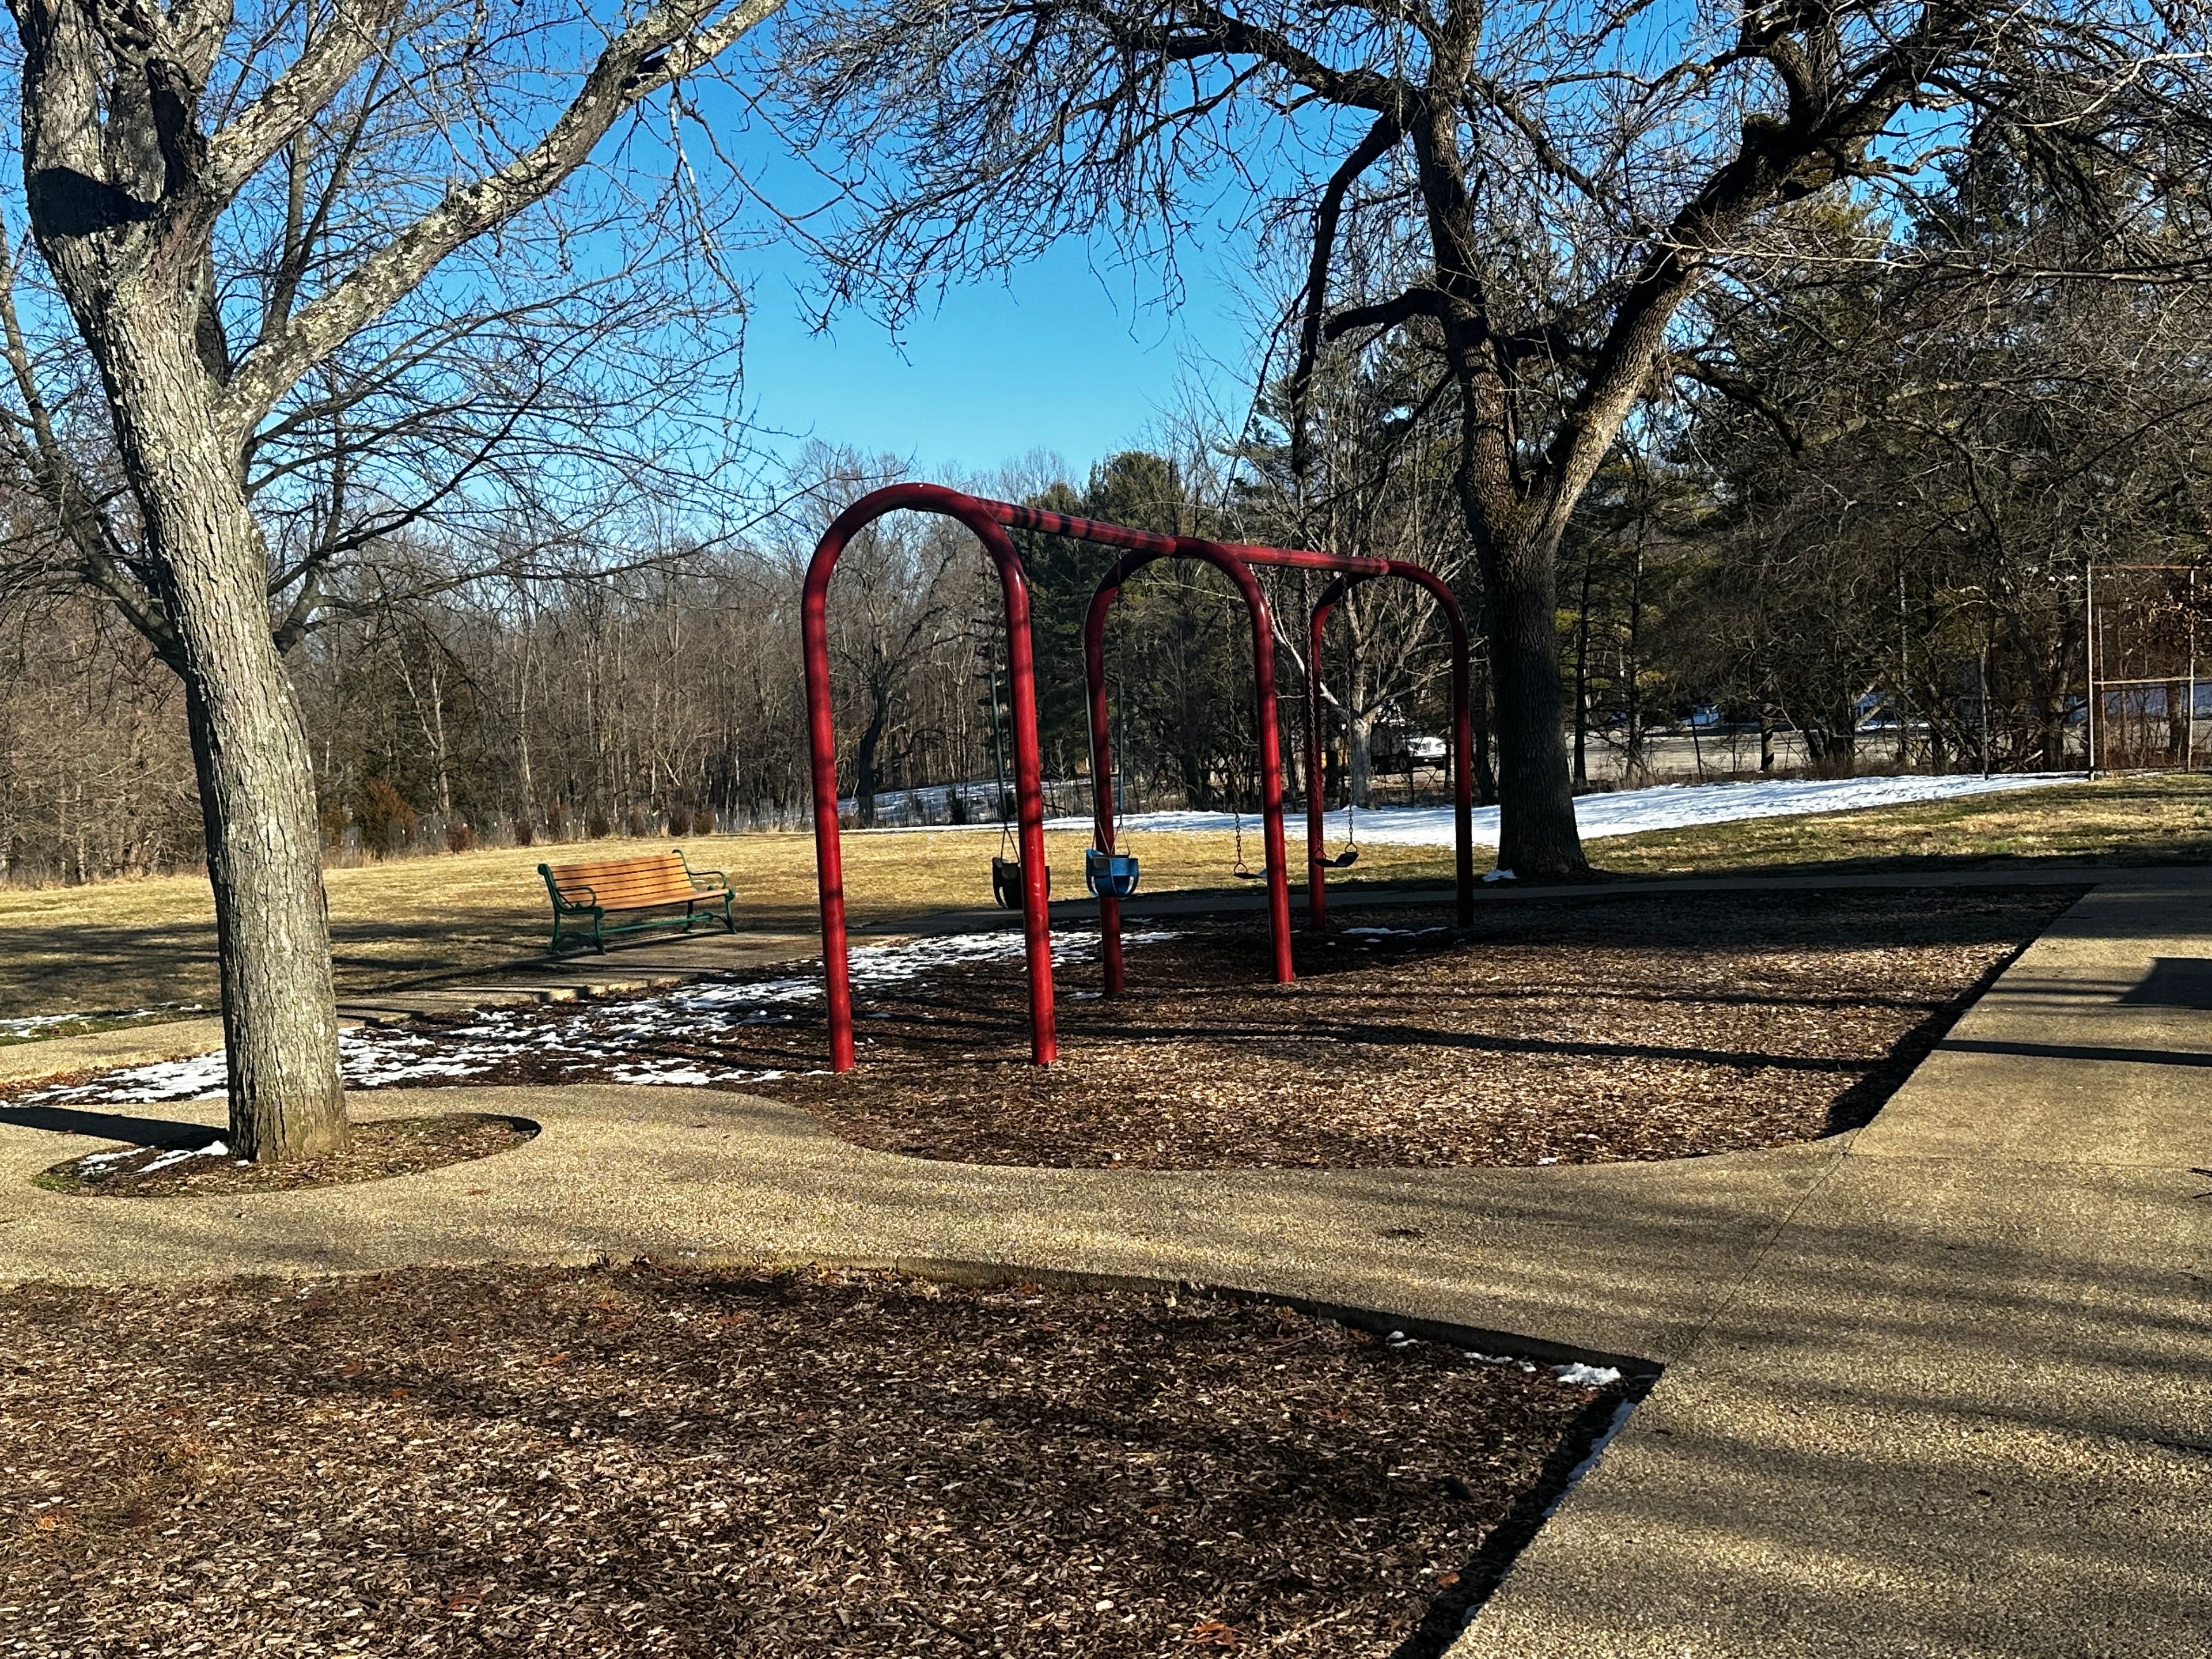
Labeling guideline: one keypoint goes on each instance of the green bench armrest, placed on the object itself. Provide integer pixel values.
(720, 883)
(563, 902)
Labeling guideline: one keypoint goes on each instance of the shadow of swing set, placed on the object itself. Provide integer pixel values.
(1112, 876)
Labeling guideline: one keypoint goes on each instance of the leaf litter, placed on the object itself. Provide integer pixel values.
(655, 1460)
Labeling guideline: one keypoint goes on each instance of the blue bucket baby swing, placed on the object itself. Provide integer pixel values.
(1113, 875)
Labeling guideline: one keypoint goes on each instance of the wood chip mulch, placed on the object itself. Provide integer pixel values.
(1572, 1031)
(382, 1147)
(645, 1460)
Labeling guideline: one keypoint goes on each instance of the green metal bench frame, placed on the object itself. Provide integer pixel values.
(720, 893)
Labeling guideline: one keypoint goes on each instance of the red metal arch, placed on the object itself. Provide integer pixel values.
(1232, 564)
(1234, 558)
(989, 520)
(1462, 736)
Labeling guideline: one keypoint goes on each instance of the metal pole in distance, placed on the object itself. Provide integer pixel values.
(1316, 808)
(1271, 754)
(1028, 788)
(2089, 655)
(1463, 680)
(2188, 729)
(1102, 760)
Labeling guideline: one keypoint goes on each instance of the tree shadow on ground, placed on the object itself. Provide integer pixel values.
(166, 1133)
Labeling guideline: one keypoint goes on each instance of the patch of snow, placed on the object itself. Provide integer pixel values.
(1505, 1359)
(684, 1076)
(214, 1149)
(1587, 1376)
(197, 1077)
(1627, 811)
(623, 1041)
(30, 1025)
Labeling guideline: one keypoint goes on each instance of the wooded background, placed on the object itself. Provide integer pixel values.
(1856, 520)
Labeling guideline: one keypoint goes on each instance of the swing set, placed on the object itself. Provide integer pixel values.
(1110, 875)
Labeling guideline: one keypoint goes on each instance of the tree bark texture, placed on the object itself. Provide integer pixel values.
(249, 747)
(125, 187)
(1537, 832)
(1359, 750)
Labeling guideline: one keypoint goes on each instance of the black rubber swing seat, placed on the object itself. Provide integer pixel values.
(1007, 882)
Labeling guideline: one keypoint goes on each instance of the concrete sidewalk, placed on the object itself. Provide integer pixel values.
(1961, 1403)
(1944, 1387)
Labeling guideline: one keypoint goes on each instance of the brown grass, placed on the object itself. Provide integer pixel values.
(128, 944)
(2115, 820)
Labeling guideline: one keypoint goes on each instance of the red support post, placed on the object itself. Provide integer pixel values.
(987, 519)
(1230, 562)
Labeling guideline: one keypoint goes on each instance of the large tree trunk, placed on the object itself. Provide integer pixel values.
(1537, 835)
(867, 780)
(1359, 753)
(249, 746)
(1518, 552)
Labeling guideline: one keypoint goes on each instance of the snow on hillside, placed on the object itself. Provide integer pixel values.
(1668, 806)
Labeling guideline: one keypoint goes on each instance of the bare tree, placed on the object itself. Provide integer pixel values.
(1362, 464)
(906, 590)
(148, 133)
(1555, 185)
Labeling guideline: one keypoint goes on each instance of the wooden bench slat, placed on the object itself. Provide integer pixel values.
(658, 881)
(654, 883)
(664, 868)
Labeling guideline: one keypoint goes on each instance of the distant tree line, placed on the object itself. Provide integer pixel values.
(1856, 471)
(1882, 552)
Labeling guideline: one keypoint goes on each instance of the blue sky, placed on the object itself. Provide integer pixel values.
(1068, 355)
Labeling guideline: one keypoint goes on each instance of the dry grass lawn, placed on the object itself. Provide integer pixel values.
(2115, 820)
(130, 943)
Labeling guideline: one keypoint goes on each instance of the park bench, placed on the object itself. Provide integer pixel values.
(663, 882)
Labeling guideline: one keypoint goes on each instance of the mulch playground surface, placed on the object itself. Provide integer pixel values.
(381, 1149)
(1567, 1032)
(640, 1460)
